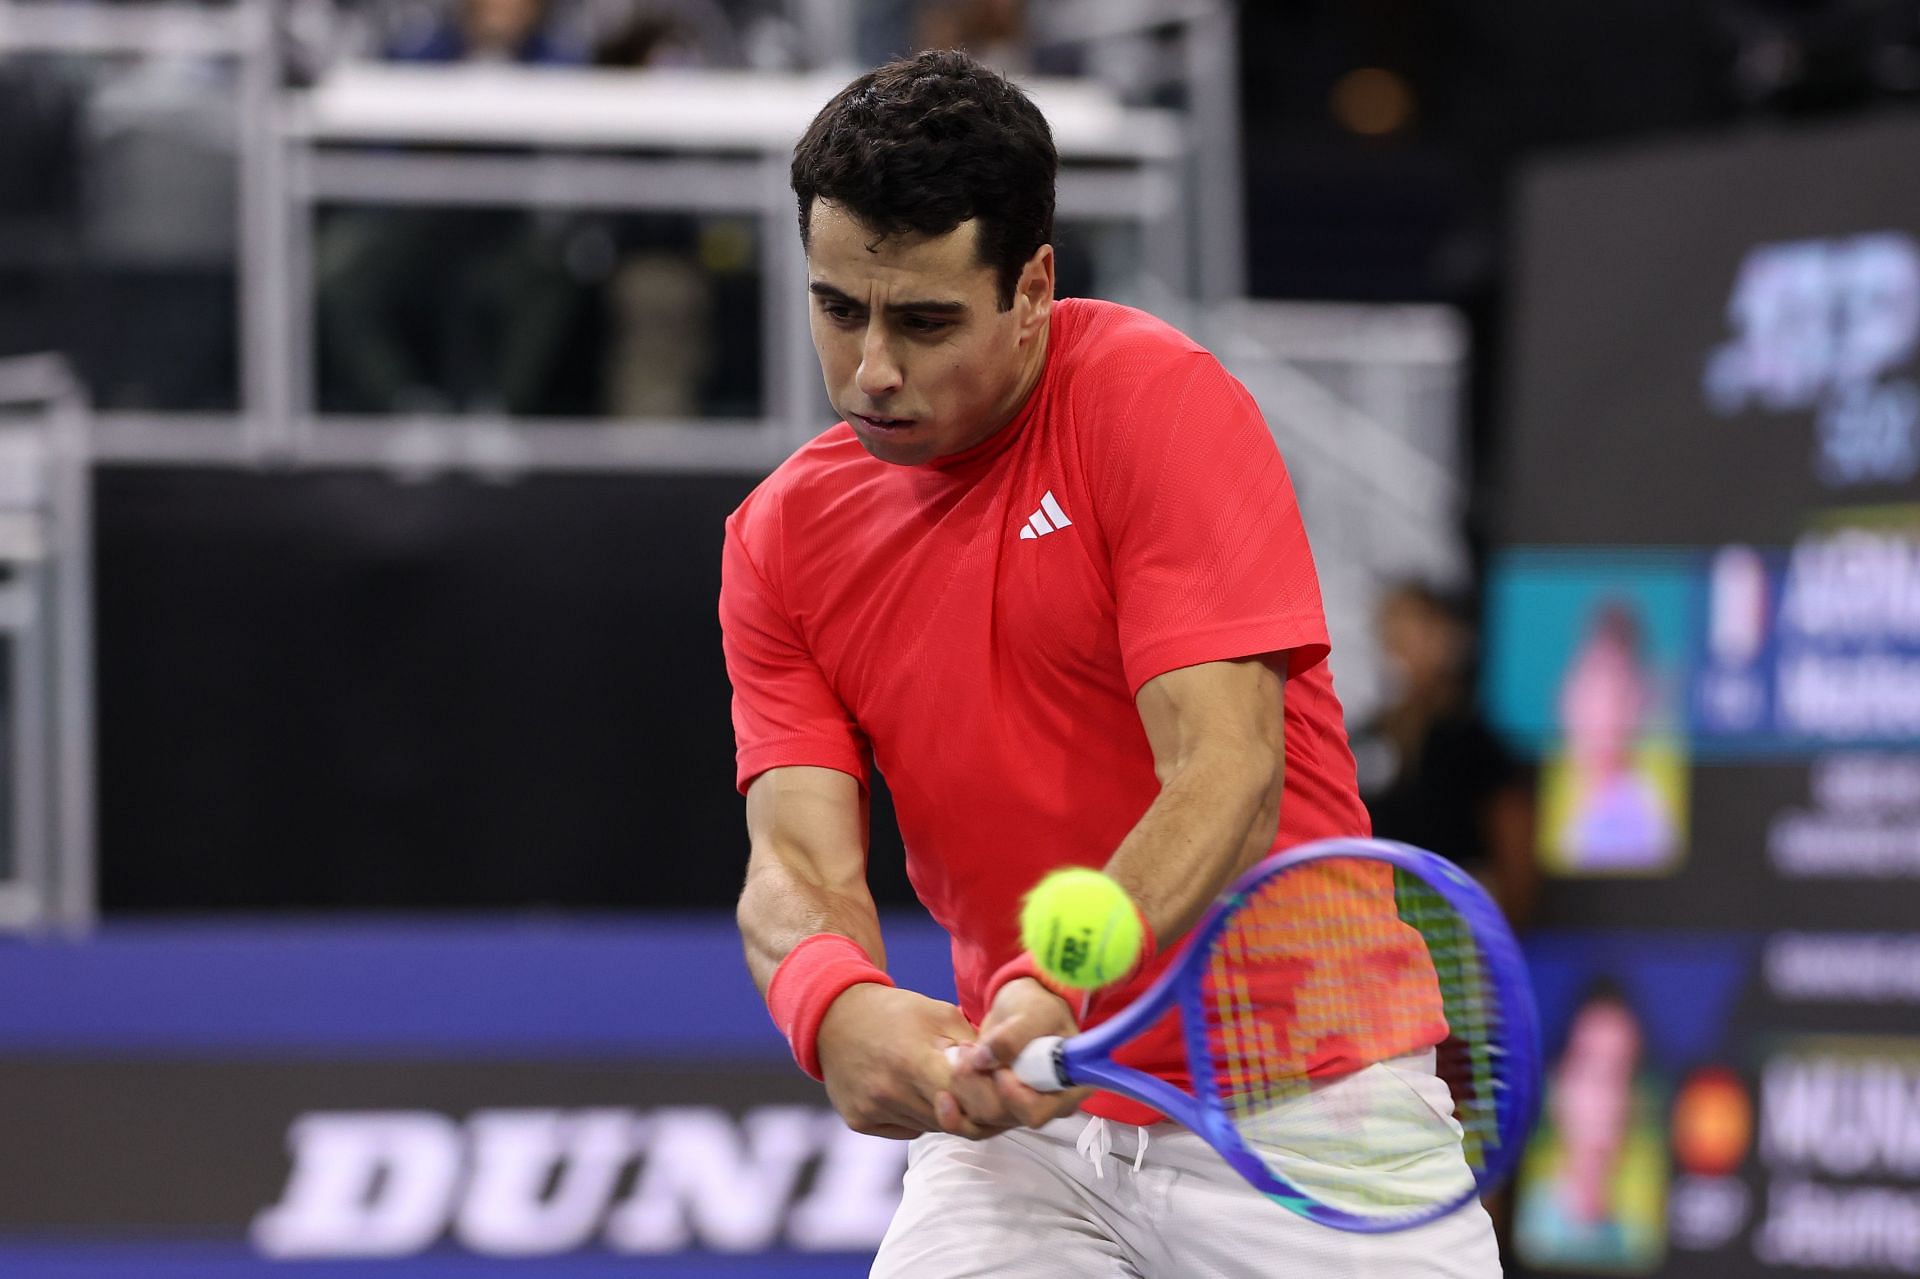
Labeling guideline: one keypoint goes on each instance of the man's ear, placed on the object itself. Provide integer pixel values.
(1033, 295)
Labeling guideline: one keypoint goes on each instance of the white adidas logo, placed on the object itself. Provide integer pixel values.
(1048, 519)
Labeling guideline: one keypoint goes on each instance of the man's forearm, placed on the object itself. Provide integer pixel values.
(781, 907)
(1213, 818)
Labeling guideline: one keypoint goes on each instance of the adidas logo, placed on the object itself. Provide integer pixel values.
(1048, 519)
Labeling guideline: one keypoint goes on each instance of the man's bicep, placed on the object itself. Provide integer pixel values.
(1215, 729)
(1231, 708)
(813, 822)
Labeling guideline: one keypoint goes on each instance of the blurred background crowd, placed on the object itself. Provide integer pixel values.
(1381, 136)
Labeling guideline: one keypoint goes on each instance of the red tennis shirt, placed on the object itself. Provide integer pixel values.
(977, 628)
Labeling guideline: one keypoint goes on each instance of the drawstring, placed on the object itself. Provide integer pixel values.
(1096, 1143)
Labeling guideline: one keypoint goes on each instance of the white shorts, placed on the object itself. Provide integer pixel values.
(1093, 1199)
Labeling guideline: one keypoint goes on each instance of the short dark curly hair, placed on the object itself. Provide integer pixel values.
(925, 143)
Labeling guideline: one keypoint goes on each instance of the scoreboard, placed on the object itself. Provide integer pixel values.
(1703, 626)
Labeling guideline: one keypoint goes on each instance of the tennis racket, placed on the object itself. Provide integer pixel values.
(1322, 1000)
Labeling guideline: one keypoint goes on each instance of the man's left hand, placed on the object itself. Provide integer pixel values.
(1022, 1012)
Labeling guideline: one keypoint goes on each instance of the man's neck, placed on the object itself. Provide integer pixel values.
(1030, 376)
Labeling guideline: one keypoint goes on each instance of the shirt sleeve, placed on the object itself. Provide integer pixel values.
(784, 711)
(1210, 559)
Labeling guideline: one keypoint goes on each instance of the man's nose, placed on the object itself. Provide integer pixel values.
(879, 374)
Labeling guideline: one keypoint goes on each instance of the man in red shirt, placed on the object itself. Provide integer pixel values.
(1049, 577)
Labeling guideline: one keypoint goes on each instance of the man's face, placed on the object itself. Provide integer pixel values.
(917, 355)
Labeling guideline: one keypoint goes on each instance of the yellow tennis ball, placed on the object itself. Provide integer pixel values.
(1081, 928)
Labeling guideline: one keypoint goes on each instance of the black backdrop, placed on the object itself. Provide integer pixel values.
(330, 689)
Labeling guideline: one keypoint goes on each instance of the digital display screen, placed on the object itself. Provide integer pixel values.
(1703, 627)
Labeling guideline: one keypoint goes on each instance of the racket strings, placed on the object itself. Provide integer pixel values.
(1321, 972)
(1466, 1059)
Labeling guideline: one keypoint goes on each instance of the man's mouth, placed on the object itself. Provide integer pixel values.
(884, 423)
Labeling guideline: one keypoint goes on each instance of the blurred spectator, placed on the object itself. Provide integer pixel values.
(659, 303)
(1137, 59)
(1432, 772)
(661, 315)
(434, 310)
(663, 33)
(994, 31)
(885, 30)
(430, 310)
(491, 31)
(490, 310)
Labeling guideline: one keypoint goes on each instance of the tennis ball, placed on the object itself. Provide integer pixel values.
(1081, 928)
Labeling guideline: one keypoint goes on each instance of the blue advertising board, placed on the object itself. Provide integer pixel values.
(576, 1097)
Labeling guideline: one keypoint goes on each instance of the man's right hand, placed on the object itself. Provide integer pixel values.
(883, 1052)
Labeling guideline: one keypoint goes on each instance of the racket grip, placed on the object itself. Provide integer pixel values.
(1042, 1066)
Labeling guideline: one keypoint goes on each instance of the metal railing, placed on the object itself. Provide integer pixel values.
(699, 143)
(47, 876)
(1366, 403)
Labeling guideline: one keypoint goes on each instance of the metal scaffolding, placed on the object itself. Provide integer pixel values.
(46, 628)
(666, 140)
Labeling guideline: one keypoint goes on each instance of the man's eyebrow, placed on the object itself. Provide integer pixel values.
(923, 307)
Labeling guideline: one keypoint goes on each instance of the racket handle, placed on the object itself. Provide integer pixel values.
(1042, 1065)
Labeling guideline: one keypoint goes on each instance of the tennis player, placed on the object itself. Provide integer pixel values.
(1049, 577)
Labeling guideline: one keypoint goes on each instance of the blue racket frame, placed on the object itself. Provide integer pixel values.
(1085, 1059)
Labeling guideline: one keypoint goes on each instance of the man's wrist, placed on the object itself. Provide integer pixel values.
(804, 987)
(1078, 1001)
(1024, 965)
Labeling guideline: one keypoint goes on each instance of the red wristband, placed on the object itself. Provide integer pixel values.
(813, 975)
(1024, 965)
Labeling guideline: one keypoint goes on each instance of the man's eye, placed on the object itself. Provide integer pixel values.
(837, 312)
(921, 324)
